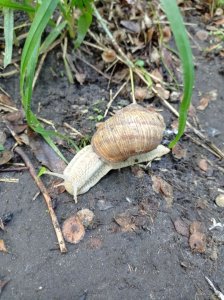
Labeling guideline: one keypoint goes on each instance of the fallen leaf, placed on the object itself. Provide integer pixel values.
(203, 164)
(157, 77)
(86, 216)
(109, 55)
(203, 103)
(80, 77)
(6, 100)
(162, 92)
(131, 26)
(210, 96)
(143, 93)
(179, 152)
(202, 35)
(166, 34)
(5, 156)
(14, 116)
(126, 222)
(161, 186)
(3, 284)
(45, 154)
(197, 239)
(181, 227)
(2, 246)
(73, 230)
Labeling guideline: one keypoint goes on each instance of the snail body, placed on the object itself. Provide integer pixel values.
(131, 136)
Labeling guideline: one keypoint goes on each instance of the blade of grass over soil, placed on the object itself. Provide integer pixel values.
(17, 6)
(28, 65)
(8, 35)
(182, 42)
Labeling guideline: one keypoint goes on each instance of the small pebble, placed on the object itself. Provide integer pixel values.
(219, 200)
(175, 96)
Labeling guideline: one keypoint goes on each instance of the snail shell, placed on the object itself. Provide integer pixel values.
(133, 130)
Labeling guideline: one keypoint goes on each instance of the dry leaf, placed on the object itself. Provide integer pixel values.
(197, 240)
(80, 77)
(109, 56)
(166, 34)
(15, 116)
(86, 216)
(5, 157)
(203, 103)
(73, 230)
(161, 186)
(157, 77)
(202, 35)
(5, 100)
(45, 154)
(131, 25)
(143, 93)
(163, 93)
(2, 246)
(181, 227)
(203, 164)
(210, 96)
(179, 152)
(126, 222)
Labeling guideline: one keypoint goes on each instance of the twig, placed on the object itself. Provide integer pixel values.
(93, 67)
(73, 129)
(217, 292)
(39, 68)
(132, 86)
(47, 198)
(10, 73)
(18, 169)
(114, 97)
(9, 180)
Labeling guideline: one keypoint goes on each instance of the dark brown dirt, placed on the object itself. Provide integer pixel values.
(152, 262)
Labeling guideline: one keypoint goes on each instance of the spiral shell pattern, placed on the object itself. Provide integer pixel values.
(133, 130)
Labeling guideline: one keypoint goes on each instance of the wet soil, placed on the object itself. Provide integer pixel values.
(153, 261)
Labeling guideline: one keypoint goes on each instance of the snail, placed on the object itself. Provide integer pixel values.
(133, 135)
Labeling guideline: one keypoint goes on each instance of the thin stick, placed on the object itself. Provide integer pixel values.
(93, 67)
(114, 97)
(18, 169)
(39, 68)
(73, 129)
(47, 198)
(132, 86)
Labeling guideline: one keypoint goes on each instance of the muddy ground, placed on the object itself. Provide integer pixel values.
(154, 261)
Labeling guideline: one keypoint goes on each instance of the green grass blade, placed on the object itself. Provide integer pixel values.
(52, 36)
(182, 42)
(40, 21)
(84, 23)
(17, 6)
(28, 66)
(8, 34)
